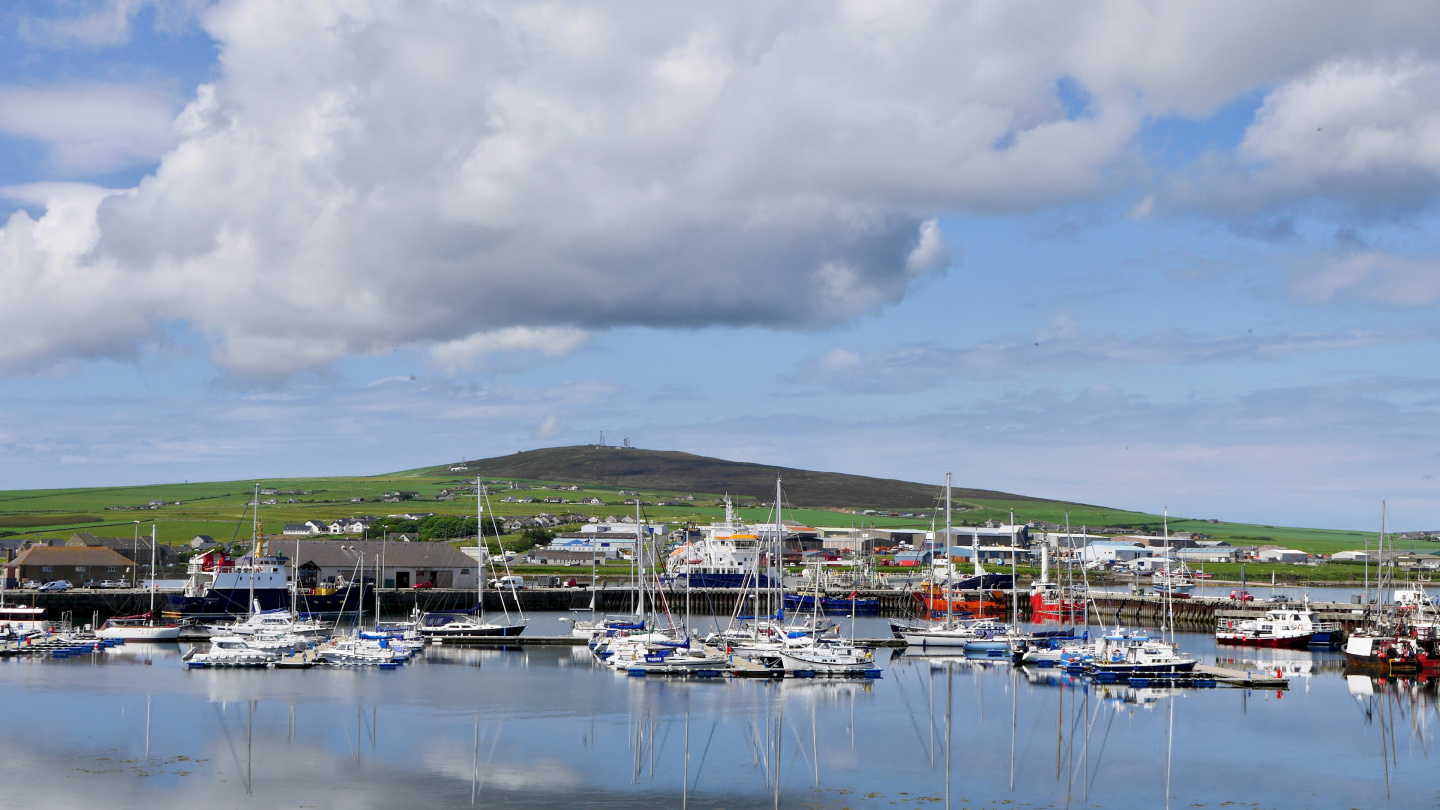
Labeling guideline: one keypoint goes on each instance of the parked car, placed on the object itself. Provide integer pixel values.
(1278, 599)
(30, 585)
(1242, 596)
(508, 583)
(94, 583)
(420, 586)
(56, 585)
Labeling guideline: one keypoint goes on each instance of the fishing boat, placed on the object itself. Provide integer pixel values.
(1176, 581)
(723, 557)
(145, 626)
(1283, 627)
(1050, 599)
(1386, 652)
(1382, 644)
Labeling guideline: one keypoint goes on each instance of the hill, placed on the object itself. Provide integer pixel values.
(633, 468)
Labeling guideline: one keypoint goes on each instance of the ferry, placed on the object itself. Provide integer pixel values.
(218, 587)
(725, 557)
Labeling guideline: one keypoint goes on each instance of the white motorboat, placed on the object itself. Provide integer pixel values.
(829, 657)
(1281, 627)
(356, 651)
(23, 621)
(280, 620)
(231, 651)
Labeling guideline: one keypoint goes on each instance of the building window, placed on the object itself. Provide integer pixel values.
(464, 570)
(45, 569)
(79, 569)
(110, 570)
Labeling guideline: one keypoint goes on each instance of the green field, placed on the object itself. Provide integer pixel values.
(219, 510)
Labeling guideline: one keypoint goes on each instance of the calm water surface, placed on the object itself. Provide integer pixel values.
(544, 728)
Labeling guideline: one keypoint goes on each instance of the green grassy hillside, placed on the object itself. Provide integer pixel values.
(219, 508)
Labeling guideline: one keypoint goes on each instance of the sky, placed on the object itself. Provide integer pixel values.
(1147, 255)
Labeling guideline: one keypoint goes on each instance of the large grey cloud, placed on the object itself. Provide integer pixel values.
(366, 176)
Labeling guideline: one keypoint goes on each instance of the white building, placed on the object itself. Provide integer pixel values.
(1115, 551)
(1283, 555)
(1354, 556)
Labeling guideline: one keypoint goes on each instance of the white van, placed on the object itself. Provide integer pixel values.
(508, 583)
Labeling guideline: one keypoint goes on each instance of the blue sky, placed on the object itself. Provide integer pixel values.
(1148, 257)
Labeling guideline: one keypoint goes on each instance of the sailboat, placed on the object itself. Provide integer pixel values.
(441, 625)
(951, 632)
(142, 627)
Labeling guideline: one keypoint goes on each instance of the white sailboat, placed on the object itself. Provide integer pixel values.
(143, 627)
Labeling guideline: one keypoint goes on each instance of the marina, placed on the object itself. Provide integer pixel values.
(554, 725)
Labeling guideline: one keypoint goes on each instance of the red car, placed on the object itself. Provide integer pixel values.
(1242, 596)
(423, 585)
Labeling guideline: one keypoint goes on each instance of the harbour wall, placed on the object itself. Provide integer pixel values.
(1147, 610)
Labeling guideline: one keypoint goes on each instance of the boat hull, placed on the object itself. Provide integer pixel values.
(222, 603)
(493, 631)
(1289, 642)
(718, 580)
(833, 606)
(157, 634)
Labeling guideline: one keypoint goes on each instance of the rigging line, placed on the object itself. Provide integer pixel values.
(1101, 754)
(696, 781)
(490, 758)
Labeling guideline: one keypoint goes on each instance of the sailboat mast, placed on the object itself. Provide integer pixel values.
(152, 572)
(775, 562)
(640, 563)
(481, 551)
(1014, 595)
(949, 560)
(254, 544)
(1168, 577)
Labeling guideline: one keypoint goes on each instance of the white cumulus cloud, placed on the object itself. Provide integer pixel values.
(362, 176)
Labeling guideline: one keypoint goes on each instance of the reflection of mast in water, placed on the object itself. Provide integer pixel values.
(949, 719)
(147, 728)
(1014, 708)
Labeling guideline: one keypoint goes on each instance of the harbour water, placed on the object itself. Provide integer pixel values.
(542, 727)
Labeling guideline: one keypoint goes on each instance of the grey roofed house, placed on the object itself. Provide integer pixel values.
(129, 547)
(203, 541)
(404, 564)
